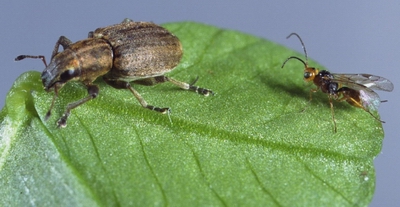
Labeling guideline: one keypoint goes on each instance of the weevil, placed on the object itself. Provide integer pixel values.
(125, 53)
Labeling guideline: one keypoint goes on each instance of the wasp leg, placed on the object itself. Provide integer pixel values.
(93, 91)
(313, 90)
(180, 84)
(125, 85)
(333, 113)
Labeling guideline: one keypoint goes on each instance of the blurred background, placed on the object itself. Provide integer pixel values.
(354, 37)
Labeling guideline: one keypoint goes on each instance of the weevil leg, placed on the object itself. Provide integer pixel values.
(90, 34)
(183, 85)
(191, 87)
(64, 42)
(126, 85)
(48, 114)
(126, 20)
(93, 91)
(144, 103)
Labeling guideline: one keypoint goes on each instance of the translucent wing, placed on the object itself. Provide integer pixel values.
(364, 84)
(369, 99)
(370, 81)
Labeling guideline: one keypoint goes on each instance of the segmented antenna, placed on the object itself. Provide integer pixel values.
(294, 57)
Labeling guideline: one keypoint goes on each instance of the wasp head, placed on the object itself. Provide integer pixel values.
(310, 73)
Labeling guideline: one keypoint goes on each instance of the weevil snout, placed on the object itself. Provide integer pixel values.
(63, 68)
(49, 76)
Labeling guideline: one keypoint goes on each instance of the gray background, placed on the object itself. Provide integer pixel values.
(358, 37)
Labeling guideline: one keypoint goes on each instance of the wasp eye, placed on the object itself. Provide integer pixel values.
(68, 75)
(307, 75)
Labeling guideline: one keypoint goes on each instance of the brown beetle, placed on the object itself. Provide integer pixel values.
(138, 52)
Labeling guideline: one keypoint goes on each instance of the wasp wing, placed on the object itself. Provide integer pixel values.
(370, 81)
(369, 99)
(364, 84)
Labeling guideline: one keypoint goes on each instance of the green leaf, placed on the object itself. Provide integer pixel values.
(249, 145)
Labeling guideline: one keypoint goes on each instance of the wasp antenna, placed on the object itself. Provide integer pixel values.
(294, 57)
(302, 44)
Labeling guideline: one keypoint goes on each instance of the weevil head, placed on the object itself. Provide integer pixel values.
(63, 67)
(82, 61)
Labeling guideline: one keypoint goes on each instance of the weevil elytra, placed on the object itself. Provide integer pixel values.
(138, 52)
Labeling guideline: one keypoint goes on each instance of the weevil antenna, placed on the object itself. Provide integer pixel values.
(21, 57)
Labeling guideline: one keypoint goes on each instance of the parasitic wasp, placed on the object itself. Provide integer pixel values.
(355, 89)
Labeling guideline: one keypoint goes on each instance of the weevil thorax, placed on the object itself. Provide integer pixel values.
(82, 61)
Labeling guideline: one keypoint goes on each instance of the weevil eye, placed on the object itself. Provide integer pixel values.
(68, 75)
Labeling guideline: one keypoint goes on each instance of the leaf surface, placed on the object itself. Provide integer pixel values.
(257, 142)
